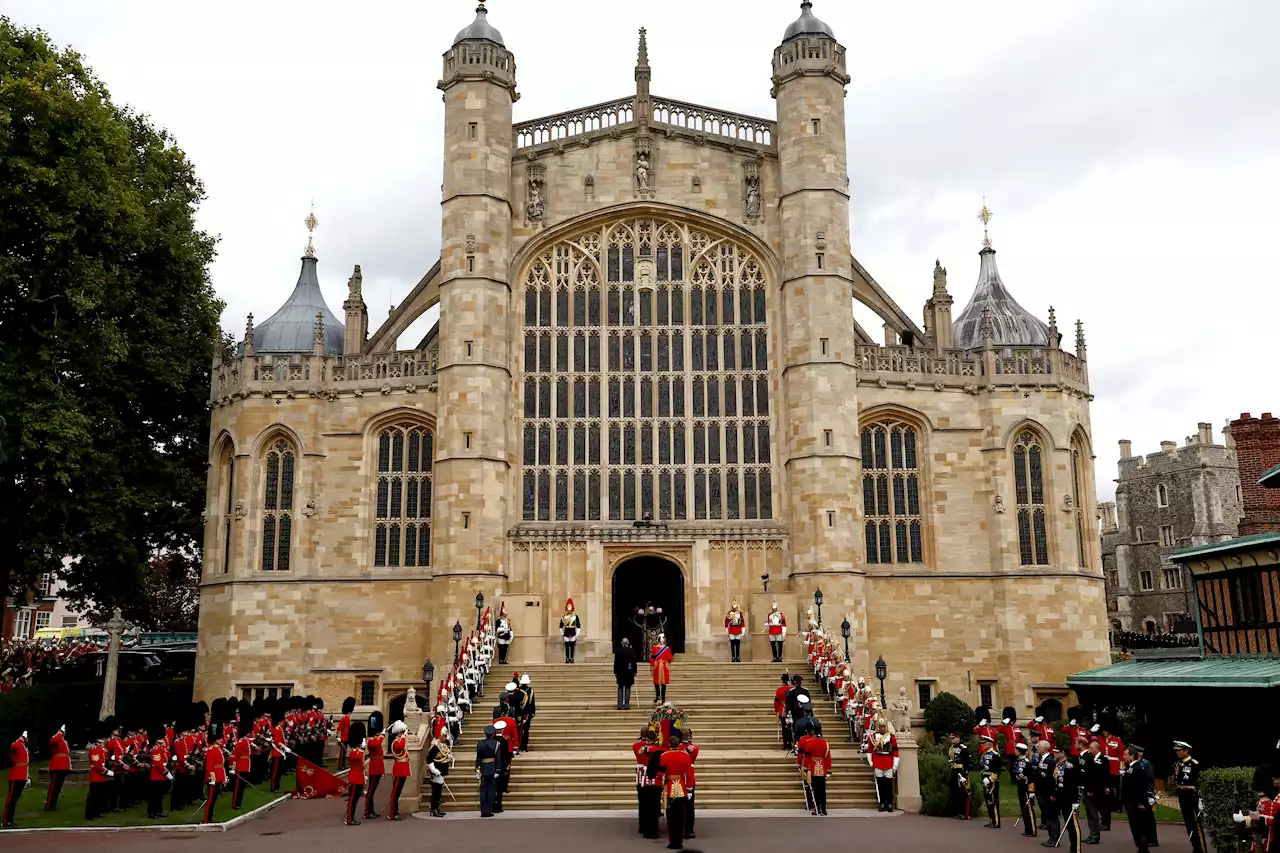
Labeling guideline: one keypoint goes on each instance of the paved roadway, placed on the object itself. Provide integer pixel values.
(306, 827)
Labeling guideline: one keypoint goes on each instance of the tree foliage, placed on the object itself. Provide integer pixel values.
(108, 325)
(947, 713)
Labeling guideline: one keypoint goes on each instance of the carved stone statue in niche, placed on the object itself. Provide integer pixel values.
(999, 505)
(753, 197)
(642, 172)
(901, 708)
(535, 207)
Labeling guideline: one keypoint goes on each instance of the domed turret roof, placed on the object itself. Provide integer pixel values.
(1011, 324)
(480, 28)
(292, 329)
(807, 24)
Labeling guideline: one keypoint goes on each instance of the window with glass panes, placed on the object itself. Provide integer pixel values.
(1028, 487)
(645, 382)
(891, 493)
(402, 496)
(277, 507)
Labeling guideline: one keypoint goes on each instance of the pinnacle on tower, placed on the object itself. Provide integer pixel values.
(1053, 321)
(311, 222)
(248, 335)
(319, 336)
(1080, 347)
(939, 280)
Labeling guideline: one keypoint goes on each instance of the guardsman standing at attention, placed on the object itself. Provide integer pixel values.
(648, 801)
(1021, 771)
(883, 758)
(158, 777)
(1186, 778)
(692, 750)
(241, 762)
(1009, 729)
(1045, 730)
(1076, 732)
(95, 805)
(775, 625)
(20, 761)
(1066, 798)
(958, 758)
(504, 635)
(215, 773)
(570, 628)
(488, 766)
(280, 750)
(780, 710)
(355, 777)
(815, 756)
(735, 624)
(660, 657)
(438, 762)
(344, 728)
(59, 767)
(376, 766)
(989, 765)
(399, 768)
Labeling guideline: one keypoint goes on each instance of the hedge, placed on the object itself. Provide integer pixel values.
(1225, 791)
(935, 784)
(41, 708)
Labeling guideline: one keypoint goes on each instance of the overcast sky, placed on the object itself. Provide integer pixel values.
(1128, 149)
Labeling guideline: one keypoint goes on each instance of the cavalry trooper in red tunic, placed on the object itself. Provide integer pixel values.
(776, 627)
(735, 624)
(883, 758)
(570, 628)
(660, 658)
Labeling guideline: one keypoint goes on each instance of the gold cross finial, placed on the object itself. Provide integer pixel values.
(985, 216)
(311, 222)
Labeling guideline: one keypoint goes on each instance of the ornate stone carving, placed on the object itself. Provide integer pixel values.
(240, 511)
(901, 708)
(697, 184)
(644, 274)
(821, 241)
(310, 510)
(1067, 503)
(999, 505)
(911, 385)
(411, 700)
(643, 175)
(751, 203)
(354, 284)
(589, 184)
(535, 207)
(471, 244)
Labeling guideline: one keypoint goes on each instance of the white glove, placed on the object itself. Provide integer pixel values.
(984, 721)
(1151, 801)
(63, 728)
(213, 778)
(288, 751)
(784, 633)
(869, 761)
(110, 773)
(896, 759)
(168, 776)
(1005, 721)
(1237, 817)
(364, 744)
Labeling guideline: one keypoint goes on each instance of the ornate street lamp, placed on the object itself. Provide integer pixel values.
(479, 606)
(457, 638)
(765, 578)
(429, 673)
(882, 672)
(817, 599)
(845, 630)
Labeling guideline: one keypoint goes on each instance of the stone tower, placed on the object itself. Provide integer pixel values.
(475, 384)
(816, 342)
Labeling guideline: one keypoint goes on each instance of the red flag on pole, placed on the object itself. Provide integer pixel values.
(316, 783)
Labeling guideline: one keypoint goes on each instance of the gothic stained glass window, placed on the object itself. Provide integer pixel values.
(277, 507)
(710, 296)
(1078, 477)
(891, 493)
(1029, 492)
(403, 493)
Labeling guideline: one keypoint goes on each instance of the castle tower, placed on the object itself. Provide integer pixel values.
(475, 383)
(819, 381)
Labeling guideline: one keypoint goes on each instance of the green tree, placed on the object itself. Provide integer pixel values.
(947, 713)
(108, 325)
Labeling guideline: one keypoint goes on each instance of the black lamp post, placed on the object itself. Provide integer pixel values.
(765, 578)
(845, 630)
(428, 673)
(817, 599)
(479, 605)
(457, 638)
(882, 672)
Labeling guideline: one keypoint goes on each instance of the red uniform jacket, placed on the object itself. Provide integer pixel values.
(439, 725)
(780, 700)
(277, 738)
(181, 753)
(1114, 749)
(59, 752)
(1010, 738)
(356, 776)
(989, 731)
(511, 732)
(776, 630)
(344, 726)
(159, 762)
(691, 749)
(377, 767)
(1075, 733)
(168, 738)
(735, 630)
(882, 759)
(660, 662)
(243, 754)
(1045, 730)
(400, 755)
(214, 769)
(676, 764)
(816, 755)
(20, 758)
(97, 764)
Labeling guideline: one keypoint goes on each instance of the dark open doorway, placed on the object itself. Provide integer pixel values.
(642, 581)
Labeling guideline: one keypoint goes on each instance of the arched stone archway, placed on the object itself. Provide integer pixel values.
(643, 580)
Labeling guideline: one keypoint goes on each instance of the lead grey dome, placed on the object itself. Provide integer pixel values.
(292, 329)
(807, 24)
(480, 28)
(1012, 324)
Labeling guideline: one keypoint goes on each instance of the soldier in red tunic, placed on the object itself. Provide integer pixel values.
(242, 756)
(344, 728)
(376, 766)
(660, 658)
(813, 754)
(355, 777)
(1009, 729)
(692, 750)
(1076, 733)
(399, 768)
(20, 759)
(648, 790)
(776, 627)
(675, 764)
(215, 773)
(279, 749)
(59, 767)
(735, 625)
(883, 758)
(158, 777)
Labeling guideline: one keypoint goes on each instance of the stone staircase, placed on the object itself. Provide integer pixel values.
(582, 759)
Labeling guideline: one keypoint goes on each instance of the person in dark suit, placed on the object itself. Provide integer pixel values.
(488, 766)
(624, 672)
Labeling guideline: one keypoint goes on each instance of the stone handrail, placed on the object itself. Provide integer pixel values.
(322, 376)
(574, 123)
(715, 122)
(1022, 366)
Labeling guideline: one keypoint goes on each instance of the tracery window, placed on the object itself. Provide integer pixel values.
(1028, 486)
(1079, 477)
(645, 378)
(891, 493)
(402, 496)
(277, 507)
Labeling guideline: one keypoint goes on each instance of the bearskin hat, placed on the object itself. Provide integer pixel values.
(375, 723)
(1009, 713)
(348, 704)
(355, 735)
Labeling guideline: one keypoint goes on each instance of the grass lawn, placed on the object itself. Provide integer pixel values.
(1009, 808)
(70, 812)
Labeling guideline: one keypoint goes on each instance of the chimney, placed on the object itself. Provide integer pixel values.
(1168, 446)
(1206, 432)
(1257, 444)
(1107, 511)
(1227, 437)
(1126, 448)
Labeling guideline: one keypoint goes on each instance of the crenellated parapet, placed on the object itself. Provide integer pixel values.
(971, 370)
(326, 376)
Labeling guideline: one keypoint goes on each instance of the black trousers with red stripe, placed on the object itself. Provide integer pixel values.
(353, 801)
(277, 769)
(215, 788)
(55, 789)
(397, 785)
(237, 790)
(368, 800)
(11, 801)
(342, 756)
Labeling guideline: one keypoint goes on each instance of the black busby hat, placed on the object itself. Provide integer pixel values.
(319, 705)
(1009, 713)
(277, 710)
(246, 710)
(982, 712)
(355, 734)
(202, 708)
(217, 710)
(375, 723)
(348, 704)
(109, 725)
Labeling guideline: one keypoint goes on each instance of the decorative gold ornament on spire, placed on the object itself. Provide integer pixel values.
(311, 222)
(984, 216)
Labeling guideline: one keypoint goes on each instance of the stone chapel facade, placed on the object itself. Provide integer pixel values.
(646, 385)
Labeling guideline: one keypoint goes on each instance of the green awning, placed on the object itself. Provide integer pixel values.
(1239, 545)
(1208, 672)
(1271, 479)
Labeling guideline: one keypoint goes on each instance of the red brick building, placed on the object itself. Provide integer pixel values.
(1257, 442)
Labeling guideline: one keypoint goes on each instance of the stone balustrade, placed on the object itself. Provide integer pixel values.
(329, 376)
(972, 369)
(579, 122)
(714, 122)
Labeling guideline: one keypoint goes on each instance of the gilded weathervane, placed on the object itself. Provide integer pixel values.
(311, 222)
(985, 215)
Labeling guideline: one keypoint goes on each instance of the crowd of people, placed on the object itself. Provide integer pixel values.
(1127, 641)
(23, 662)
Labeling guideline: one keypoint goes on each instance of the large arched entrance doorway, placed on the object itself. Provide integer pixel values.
(643, 581)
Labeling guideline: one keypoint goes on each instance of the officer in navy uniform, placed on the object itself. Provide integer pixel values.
(488, 766)
(1066, 798)
(1023, 774)
(1186, 779)
(989, 765)
(1138, 791)
(958, 758)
